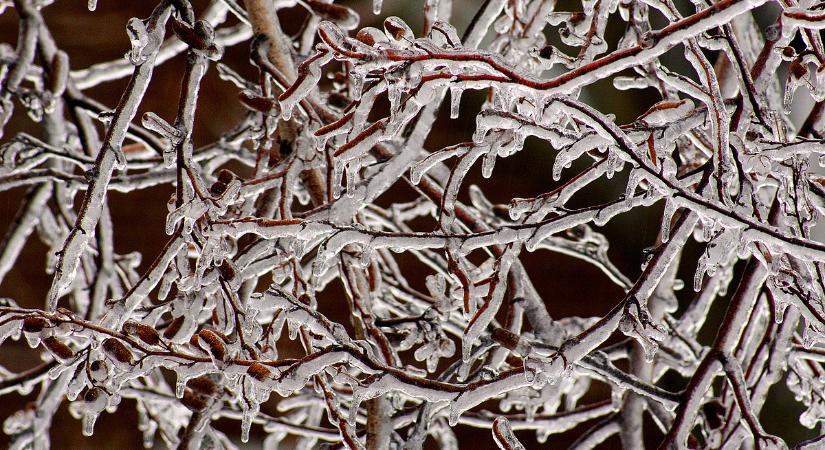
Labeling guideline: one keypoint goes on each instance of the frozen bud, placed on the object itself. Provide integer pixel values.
(341, 15)
(797, 69)
(93, 395)
(34, 324)
(397, 29)
(98, 370)
(20, 421)
(667, 112)
(797, 75)
(215, 344)
(217, 189)
(330, 32)
(371, 36)
(155, 123)
(95, 402)
(259, 372)
(117, 351)
(193, 340)
(226, 176)
(144, 332)
(193, 401)
(444, 34)
(58, 349)
(202, 385)
(446, 347)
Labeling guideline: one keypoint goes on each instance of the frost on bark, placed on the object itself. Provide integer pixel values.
(284, 204)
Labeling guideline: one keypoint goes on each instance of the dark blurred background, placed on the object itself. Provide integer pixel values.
(569, 286)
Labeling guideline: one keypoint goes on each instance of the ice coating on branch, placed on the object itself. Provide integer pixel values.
(139, 39)
(667, 112)
(170, 134)
(308, 75)
(339, 181)
(716, 253)
(637, 323)
(504, 436)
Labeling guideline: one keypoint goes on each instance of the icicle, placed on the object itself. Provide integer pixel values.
(246, 424)
(366, 255)
(667, 218)
(819, 93)
(353, 169)
(356, 85)
(455, 101)
(562, 162)
(140, 40)
(636, 177)
(394, 91)
(338, 169)
(614, 163)
(95, 403)
(488, 162)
